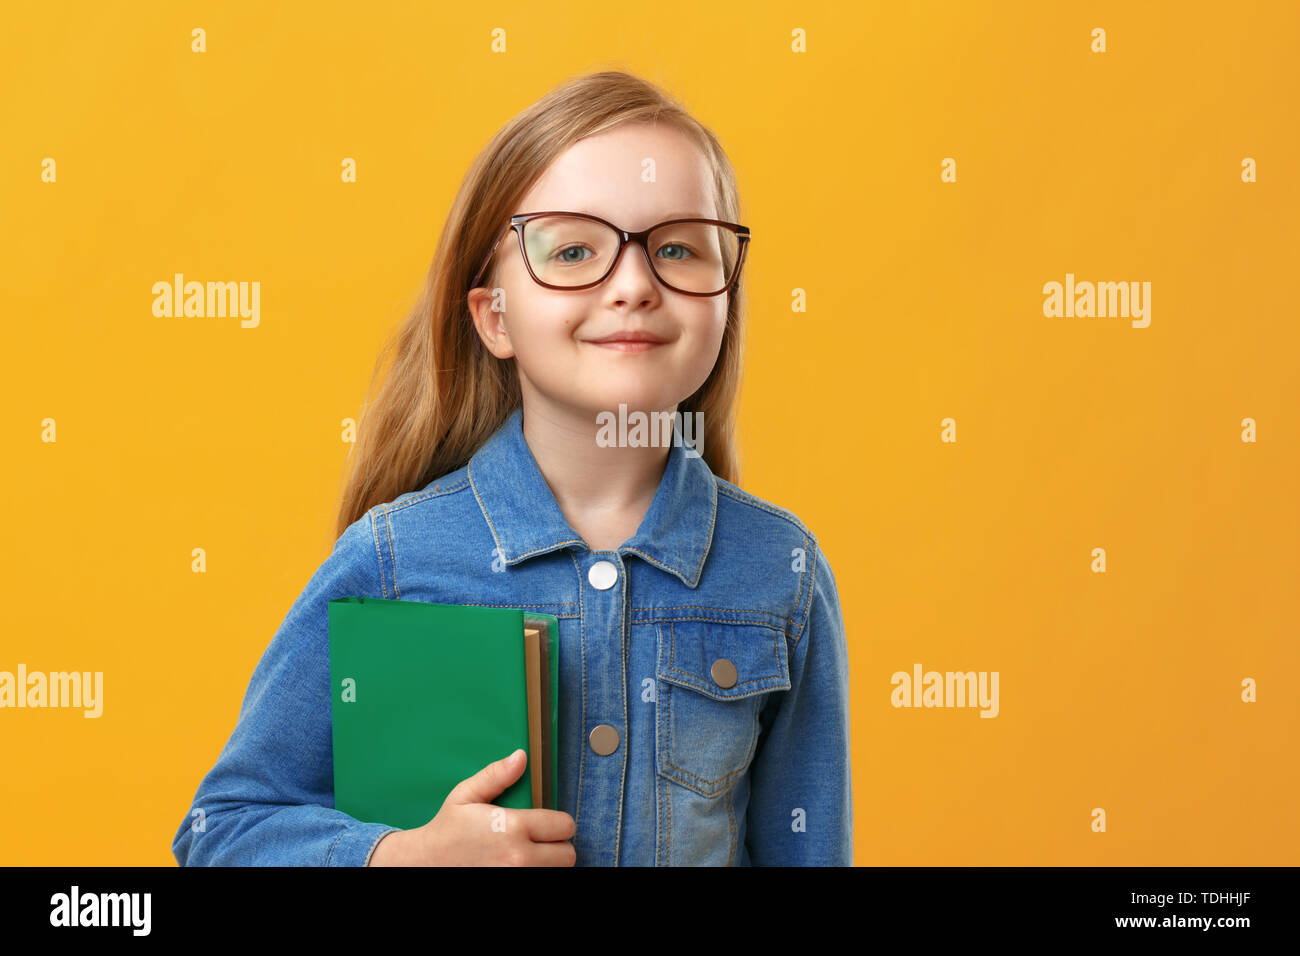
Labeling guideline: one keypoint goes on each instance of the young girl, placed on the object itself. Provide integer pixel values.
(588, 277)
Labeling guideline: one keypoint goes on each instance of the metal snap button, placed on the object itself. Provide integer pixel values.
(603, 739)
(723, 673)
(602, 575)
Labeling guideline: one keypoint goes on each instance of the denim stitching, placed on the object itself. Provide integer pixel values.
(708, 540)
(731, 820)
(487, 517)
(392, 553)
(700, 617)
(703, 607)
(371, 851)
(582, 650)
(716, 610)
(435, 493)
(713, 523)
(379, 553)
(514, 607)
(798, 601)
(693, 580)
(659, 564)
(746, 498)
(497, 539)
(622, 782)
(662, 797)
(544, 549)
(330, 857)
(668, 815)
(776, 650)
(668, 802)
(807, 608)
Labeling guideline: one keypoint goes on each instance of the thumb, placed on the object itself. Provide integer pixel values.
(486, 785)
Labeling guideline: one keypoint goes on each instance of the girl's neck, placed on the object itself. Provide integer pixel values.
(604, 492)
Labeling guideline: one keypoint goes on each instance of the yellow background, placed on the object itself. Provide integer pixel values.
(1119, 690)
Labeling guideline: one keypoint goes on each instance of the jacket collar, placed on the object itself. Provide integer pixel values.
(526, 520)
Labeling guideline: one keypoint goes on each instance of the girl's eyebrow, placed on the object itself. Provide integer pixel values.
(688, 214)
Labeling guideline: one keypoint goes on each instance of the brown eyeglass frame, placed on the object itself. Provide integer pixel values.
(517, 223)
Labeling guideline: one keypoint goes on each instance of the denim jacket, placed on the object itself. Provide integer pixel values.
(711, 642)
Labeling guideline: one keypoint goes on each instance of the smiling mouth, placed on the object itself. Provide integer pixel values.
(627, 345)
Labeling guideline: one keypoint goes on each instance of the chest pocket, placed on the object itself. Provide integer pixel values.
(713, 678)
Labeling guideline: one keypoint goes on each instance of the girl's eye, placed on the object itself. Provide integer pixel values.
(570, 260)
(675, 245)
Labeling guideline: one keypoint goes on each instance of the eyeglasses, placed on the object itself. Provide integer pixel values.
(573, 250)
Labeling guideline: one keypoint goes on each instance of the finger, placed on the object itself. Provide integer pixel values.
(486, 785)
(553, 854)
(546, 826)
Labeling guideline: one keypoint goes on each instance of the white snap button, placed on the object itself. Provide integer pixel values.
(602, 575)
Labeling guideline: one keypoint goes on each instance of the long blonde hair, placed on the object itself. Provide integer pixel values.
(444, 393)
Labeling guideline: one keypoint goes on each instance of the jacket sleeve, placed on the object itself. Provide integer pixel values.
(801, 784)
(269, 800)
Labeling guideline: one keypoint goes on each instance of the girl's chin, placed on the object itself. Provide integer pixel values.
(626, 405)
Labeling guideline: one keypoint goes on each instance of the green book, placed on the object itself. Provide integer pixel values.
(424, 695)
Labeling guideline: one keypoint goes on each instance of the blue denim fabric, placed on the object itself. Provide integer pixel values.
(756, 773)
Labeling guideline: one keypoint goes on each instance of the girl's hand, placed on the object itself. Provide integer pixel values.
(470, 830)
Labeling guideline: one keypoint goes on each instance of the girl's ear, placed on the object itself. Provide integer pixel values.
(490, 323)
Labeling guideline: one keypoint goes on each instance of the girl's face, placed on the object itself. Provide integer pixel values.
(550, 332)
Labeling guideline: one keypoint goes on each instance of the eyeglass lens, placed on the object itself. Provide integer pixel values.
(690, 256)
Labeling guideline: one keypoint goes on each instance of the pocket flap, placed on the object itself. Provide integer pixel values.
(707, 656)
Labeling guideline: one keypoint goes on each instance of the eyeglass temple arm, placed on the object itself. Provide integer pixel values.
(491, 252)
